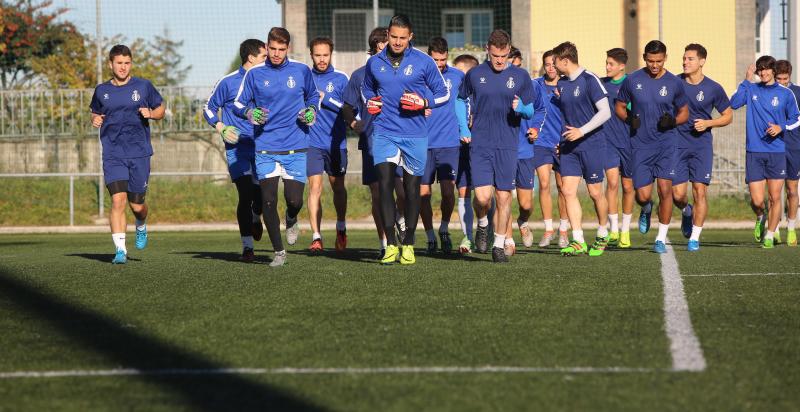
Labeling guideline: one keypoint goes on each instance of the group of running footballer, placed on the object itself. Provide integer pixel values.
(487, 128)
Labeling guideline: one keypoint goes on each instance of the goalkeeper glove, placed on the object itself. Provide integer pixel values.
(307, 116)
(412, 102)
(633, 120)
(230, 134)
(257, 116)
(374, 105)
(666, 122)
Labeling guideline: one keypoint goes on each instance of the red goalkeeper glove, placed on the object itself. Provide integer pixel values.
(374, 105)
(412, 102)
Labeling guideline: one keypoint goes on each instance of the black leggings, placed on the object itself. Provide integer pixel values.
(249, 204)
(292, 193)
(386, 176)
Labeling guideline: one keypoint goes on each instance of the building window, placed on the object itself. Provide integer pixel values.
(759, 18)
(351, 27)
(466, 26)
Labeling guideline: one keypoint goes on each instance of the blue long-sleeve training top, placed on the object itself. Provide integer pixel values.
(329, 131)
(222, 97)
(766, 104)
(284, 90)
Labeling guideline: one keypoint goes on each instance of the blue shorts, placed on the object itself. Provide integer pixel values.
(582, 163)
(333, 163)
(760, 166)
(464, 172)
(493, 167)
(442, 164)
(618, 158)
(288, 166)
(543, 155)
(792, 164)
(693, 165)
(369, 173)
(652, 163)
(407, 152)
(525, 174)
(135, 171)
(241, 161)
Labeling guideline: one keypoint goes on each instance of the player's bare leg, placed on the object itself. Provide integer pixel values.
(793, 202)
(315, 211)
(601, 208)
(569, 188)
(546, 203)
(563, 227)
(758, 191)
(503, 213)
(340, 204)
(481, 202)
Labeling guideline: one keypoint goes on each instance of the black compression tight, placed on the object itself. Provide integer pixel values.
(292, 193)
(244, 209)
(386, 176)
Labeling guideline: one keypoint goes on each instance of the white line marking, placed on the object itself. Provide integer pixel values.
(683, 343)
(325, 371)
(743, 274)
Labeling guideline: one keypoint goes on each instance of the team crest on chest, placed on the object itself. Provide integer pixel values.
(383, 69)
(408, 70)
(291, 83)
(663, 92)
(266, 83)
(510, 83)
(329, 87)
(755, 97)
(775, 101)
(700, 97)
(136, 96)
(577, 91)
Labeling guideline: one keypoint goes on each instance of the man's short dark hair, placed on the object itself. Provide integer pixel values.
(514, 54)
(766, 63)
(280, 35)
(655, 47)
(499, 38)
(618, 54)
(119, 50)
(378, 35)
(547, 54)
(697, 48)
(783, 67)
(401, 20)
(566, 50)
(466, 59)
(438, 45)
(250, 47)
(320, 40)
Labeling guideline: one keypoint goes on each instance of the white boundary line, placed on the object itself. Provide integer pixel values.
(742, 274)
(326, 371)
(687, 355)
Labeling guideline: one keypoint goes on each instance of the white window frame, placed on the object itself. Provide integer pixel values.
(367, 16)
(468, 23)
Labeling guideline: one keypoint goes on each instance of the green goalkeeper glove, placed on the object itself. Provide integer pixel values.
(230, 134)
(308, 116)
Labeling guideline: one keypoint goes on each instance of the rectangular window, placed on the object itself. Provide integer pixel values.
(784, 20)
(466, 26)
(759, 17)
(351, 27)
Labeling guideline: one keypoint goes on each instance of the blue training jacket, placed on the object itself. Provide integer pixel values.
(329, 131)
(417, 73)
(222, 97)
(284, 90)
(766, 104)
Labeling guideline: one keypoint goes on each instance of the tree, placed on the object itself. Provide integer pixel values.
(166, 60)
(29, 31)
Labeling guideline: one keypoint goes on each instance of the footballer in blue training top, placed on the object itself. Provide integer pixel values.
(695, 151)
(327, 150)
(583, 103)
(618, 154)
(444, 146)
(657, 105)
(771, 112)
(792, 141)
(240, 150)
(122, 108)
(399, 84)
(500, 95)
(279, 97)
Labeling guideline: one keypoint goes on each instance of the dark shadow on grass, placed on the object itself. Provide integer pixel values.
(101, 257)
(224, 256)
(357, 255)
(450, 256)
(19, 243)
(129, 349)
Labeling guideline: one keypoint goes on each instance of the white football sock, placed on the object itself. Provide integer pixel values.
(626, 222)
(483, 221)
(696, 230)
(466, 216)
(119, 241)
(499, 241)
(316, 236)
(614, 219)
(564, 226)
(769, 235)
(602, 231)
(791, 224)
(247, 241)
(510, 241)
(662, 232)
(577, 235)
(548, 225)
